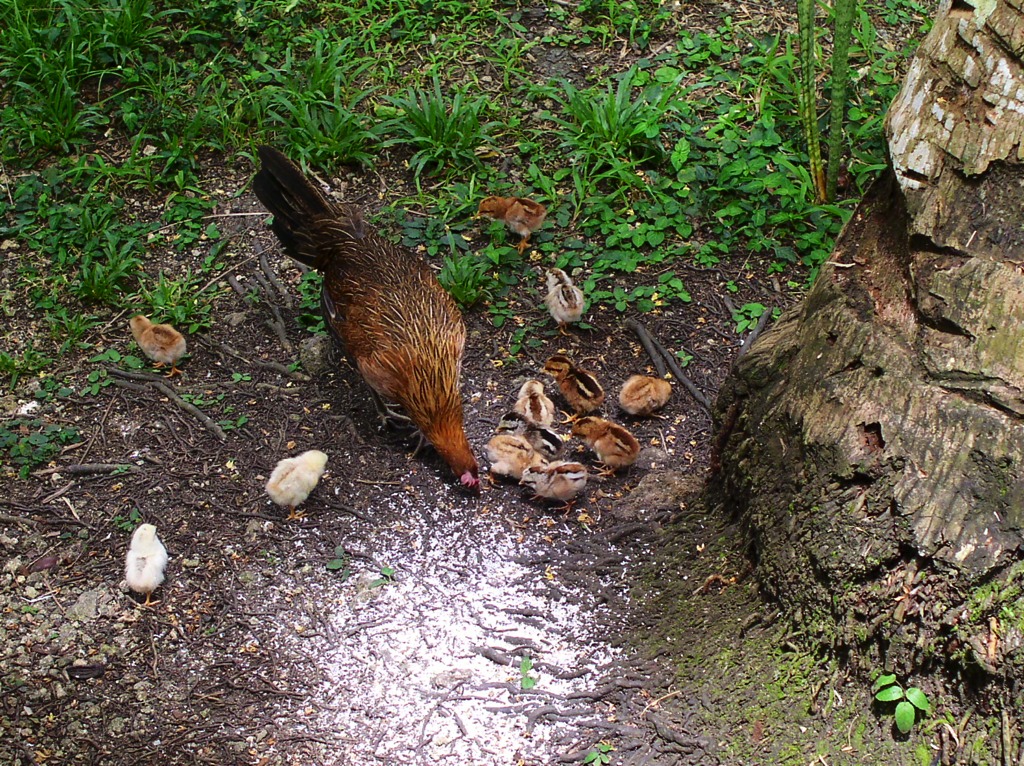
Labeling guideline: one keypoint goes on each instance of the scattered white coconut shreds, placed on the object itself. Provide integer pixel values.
(426, 665)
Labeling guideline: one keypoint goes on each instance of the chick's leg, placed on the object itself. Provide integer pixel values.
(294, 514)
(149, 600)
(568, 419)
(523, 244)
(174, 371)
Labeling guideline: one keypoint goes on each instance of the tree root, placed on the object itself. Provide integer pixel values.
(122, 378)
(670, 360)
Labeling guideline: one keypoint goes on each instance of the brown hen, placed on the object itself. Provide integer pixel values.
(381, 302)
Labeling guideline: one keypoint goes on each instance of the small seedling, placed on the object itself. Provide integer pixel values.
(387, 576)
(128, 523)
(908, 701)
(340, 563)
(601, 754)
(526, 681)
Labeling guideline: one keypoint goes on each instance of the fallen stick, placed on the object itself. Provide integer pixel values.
(122, 377)
(675, 369)
(752, 335)
(647, 342)
(85, 469)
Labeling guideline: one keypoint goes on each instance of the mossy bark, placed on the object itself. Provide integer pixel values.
(872, 441)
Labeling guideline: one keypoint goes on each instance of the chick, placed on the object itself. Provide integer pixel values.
(294, 478)
(644, 395)
(535, 407)
(614, 446)
(564, 300)
(579, 387)
(145, 563)
(160, 342)
(511, 455)
(560, 481)
(543, 439)
(521, 215)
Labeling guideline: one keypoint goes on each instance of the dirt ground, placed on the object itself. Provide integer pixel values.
(401, 621)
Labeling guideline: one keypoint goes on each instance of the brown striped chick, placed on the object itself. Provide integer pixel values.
(294, 478)
(544, 440)
(644, 394)
(535, 407)
(521, 215)
(511, 455)
(564, 300)
(160, 342)
(613, 444)
(579, 387)
(560, 481)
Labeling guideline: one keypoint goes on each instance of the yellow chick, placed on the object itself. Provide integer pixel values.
(160, 342)
(145, 563)
(613, 444)
(535, 407)
(511, 454)
(560, 481)
(564, 300)
(543, 439)
(579, 387)
(644, 394)
(521, 215)
(294, 478)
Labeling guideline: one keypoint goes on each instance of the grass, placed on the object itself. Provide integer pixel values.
(676, 149)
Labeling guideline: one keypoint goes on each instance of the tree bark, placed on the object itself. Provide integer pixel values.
(873, 440)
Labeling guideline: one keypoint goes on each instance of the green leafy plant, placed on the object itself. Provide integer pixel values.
(600, 754)
(128, 523)
(747, 315)
(910, 701)
(387, 576)
(526, 681)
(445, 133)
(612, 131)
(466, 279)
(30, 361)
(340, 563)
(31, 442)
(182, 302)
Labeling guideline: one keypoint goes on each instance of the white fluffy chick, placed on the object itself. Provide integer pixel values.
(147, 558)
(294, 478)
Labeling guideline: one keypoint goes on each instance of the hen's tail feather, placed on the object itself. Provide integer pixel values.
(296, 204)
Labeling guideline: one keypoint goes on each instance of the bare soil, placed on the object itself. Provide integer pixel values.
(258, 653)
(643, 628)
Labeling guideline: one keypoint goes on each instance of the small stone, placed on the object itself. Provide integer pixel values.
(316, 354)
(235, 318)
(448, 679)
(86, 606)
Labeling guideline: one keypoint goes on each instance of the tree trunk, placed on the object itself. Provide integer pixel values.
(872, 441)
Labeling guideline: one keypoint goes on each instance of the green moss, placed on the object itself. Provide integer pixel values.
(1004, 595)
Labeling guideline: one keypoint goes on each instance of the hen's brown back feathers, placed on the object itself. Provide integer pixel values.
(403, 331)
